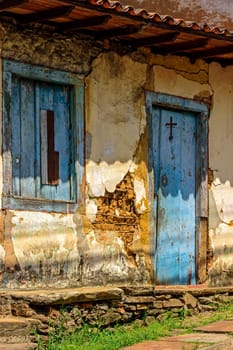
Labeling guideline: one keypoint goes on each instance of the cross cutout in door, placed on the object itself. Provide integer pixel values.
(171, 125)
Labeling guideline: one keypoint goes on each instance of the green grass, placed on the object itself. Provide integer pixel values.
(112, 339)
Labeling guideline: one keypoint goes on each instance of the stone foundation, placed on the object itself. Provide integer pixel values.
(104, 306)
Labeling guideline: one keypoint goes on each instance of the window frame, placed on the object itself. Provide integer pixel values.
(37, 73)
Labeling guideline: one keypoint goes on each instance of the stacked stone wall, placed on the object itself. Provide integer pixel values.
(106, 307)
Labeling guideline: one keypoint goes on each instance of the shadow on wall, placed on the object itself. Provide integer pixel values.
(110, 243)
(48, 258)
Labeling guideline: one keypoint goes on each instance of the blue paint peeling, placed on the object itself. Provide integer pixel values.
(178, 184)
(33, 89)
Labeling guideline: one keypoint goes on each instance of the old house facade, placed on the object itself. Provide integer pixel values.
(116, 131)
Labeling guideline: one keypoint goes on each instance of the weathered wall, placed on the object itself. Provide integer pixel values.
(43, 248)
(39, 46)
(108, 240)
(122, 123)
(116, 179)
(213, 12)
(221, 175)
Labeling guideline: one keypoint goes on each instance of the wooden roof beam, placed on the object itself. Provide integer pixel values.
(117, 32)
(154, 39)
(216, 51)
(177, 47)
(223, 61)
(40, 16)
(84, 23)
(7, 4)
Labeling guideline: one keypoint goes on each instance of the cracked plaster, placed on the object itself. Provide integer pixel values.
(38, 46)
(120, 123)
(2, 258)
(45, 245)
(172, 82)
(115, 124)
(220, 162)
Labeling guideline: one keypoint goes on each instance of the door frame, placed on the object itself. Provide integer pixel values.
(201, 110)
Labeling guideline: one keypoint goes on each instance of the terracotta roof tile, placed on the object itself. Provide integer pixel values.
(158, 18)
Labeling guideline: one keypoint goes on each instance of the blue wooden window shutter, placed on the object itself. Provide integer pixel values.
(43, 138)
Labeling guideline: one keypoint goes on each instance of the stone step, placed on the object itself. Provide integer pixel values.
(16, 330)
(63, 296)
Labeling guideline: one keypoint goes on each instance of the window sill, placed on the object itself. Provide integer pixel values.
(38, 204)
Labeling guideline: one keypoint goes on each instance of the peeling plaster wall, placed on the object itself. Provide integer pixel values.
(116, 121)
(108, 240)
(116, 116)
(52, 50)
(221, 165)
(168, 81)
(114, 97)
(48, 249)
(42, 249)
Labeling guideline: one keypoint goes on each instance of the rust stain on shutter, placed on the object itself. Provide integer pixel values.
(53, 156)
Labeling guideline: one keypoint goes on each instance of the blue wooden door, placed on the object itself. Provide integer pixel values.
(174, 148)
